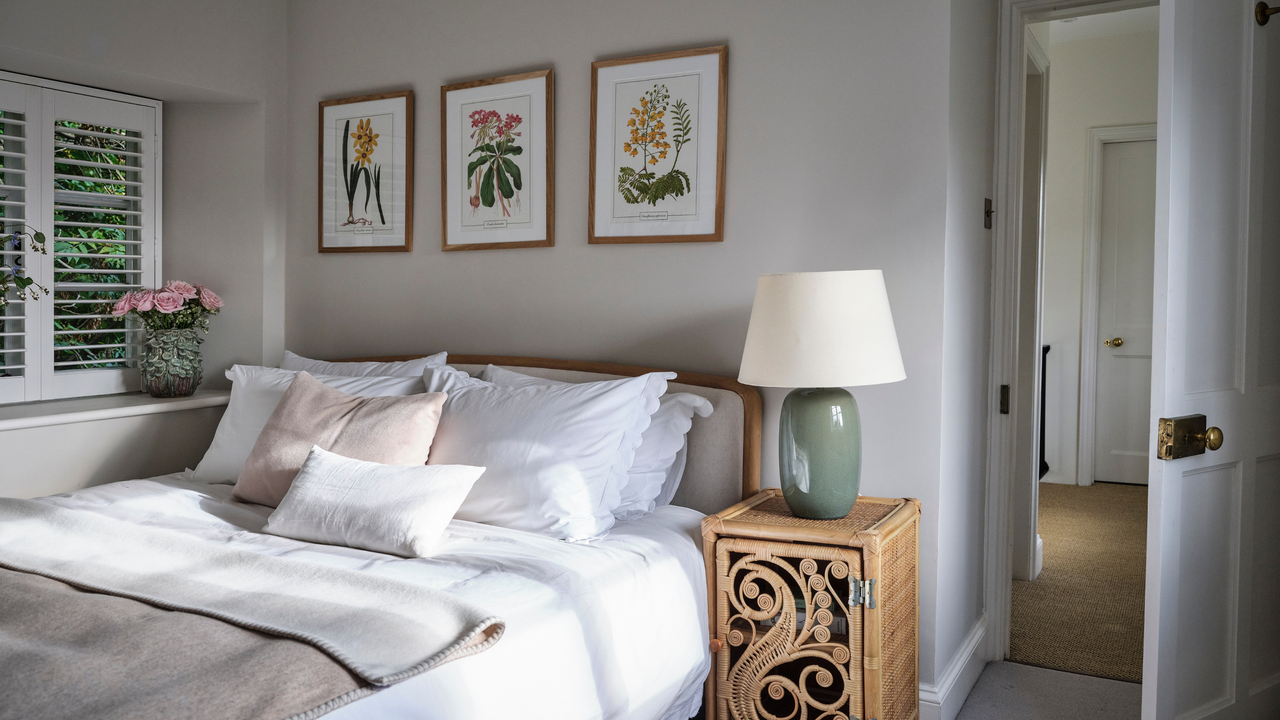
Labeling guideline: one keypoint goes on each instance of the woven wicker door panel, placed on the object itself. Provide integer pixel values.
(792, 647)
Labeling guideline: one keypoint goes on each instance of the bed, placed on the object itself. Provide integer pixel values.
(612, 628)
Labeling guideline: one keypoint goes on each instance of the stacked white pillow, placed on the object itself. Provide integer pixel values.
(556, 455)
(658, 465)
(404, 368)
(255, 392)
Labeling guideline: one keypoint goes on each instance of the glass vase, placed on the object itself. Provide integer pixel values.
(171, 362)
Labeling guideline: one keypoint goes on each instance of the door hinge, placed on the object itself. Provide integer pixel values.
(1004, 399)
(987, 212)
(862, 591)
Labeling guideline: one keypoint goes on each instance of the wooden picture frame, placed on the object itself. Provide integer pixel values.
(373, 163)
(643, 109)
(503, 197)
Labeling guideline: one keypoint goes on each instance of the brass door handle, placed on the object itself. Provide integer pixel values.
(1185, 436)
(1113, 343)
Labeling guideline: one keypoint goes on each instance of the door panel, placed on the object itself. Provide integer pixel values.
(1122, 405)
(1205, 591)
(1211, 615)
(1264, 636)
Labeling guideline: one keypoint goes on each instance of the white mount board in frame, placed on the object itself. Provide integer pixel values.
(523, 109)
(373, 188)
(637, 104)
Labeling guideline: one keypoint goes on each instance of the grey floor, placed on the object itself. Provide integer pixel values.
(1009, 691)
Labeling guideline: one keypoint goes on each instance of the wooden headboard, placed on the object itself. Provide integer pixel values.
(724, 450)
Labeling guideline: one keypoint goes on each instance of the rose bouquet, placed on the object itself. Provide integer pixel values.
(171, 362)
(174, 306)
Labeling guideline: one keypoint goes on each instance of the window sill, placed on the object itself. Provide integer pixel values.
(105, 407)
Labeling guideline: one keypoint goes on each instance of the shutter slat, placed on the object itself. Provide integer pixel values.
(85, 178)
(61, 130)
(70, 146)
(103, 211)
(106, 226)
(96, 332)
(92, 164)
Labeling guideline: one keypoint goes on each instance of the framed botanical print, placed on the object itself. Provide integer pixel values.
(366, 173)
(657, 147)
(497, 181)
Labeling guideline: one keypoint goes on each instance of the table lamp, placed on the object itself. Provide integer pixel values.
(821, 332)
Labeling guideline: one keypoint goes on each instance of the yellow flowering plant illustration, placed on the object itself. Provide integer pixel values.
(648, 142)
(364, 142)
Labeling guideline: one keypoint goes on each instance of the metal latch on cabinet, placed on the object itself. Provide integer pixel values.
(862, 591)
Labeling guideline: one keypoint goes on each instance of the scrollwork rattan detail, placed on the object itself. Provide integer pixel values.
(790, 634)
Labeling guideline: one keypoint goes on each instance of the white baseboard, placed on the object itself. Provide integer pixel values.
(944, 700)
(1039, 563)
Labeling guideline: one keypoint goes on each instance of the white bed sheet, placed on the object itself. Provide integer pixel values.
(614, 628)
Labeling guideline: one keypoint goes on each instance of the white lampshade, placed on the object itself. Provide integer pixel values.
(821, 329)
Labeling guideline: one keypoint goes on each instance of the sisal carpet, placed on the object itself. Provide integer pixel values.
(1084, 613)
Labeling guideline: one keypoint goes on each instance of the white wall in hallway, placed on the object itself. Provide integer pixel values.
(1096, 82)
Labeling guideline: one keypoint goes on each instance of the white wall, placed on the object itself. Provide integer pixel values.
(220, 70)
(965, 342)
(1095, 82)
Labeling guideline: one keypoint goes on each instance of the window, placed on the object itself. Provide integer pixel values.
(81, 166)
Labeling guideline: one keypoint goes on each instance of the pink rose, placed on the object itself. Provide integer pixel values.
(168, 302)
(208, 298)
(123, 305)
(184, 290)
(144, 300)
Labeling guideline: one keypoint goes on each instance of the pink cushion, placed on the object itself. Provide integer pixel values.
(387, 430)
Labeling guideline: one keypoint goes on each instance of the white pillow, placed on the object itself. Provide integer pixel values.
(557, 455)
(658, 466)
(406, 368)
(396, 509)
(255, 392)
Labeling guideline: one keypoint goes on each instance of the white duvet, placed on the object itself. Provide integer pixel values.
(614, 628)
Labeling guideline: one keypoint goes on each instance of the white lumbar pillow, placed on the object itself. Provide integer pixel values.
(655, 472)
(557, 455)
(255, 392)
(405, 368)
(396, 509)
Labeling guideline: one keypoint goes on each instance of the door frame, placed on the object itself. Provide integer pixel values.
(1011, 54)
(1098, 137)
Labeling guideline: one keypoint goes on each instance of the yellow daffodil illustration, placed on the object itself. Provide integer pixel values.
(362, 143)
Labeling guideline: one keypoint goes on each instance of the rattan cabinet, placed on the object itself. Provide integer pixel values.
(813, 619)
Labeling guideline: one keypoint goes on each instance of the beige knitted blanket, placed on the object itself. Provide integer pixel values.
(65, 653)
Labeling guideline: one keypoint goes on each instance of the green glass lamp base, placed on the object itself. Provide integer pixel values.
(820, 452)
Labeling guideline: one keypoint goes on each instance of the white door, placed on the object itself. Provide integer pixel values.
(1212, 644)
(1123, 346)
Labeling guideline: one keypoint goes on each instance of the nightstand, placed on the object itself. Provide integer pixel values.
(821, 613)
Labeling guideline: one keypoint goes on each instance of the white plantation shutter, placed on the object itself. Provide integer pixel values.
(92, 189)
(19, 359)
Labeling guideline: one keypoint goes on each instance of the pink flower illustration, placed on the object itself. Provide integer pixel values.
(144, 300)
(208, 298)
(123, 305)
(168, 302)
(184, 290)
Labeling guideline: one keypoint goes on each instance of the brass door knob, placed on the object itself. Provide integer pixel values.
(1117, 342)
(1212, 438)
